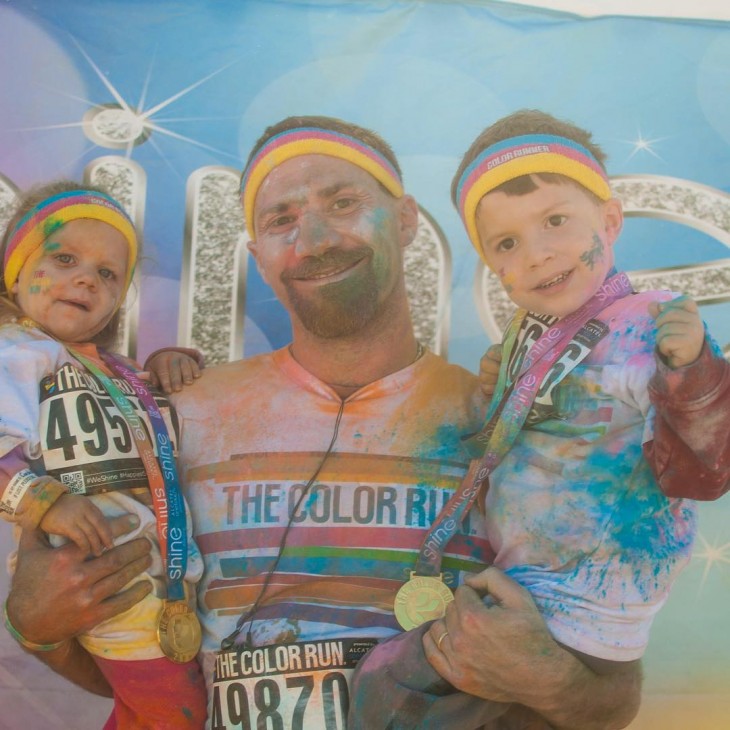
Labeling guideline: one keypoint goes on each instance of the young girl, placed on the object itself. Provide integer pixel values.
(82, 439)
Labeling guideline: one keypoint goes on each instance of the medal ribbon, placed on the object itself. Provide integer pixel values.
(508, 416)
(164, 483)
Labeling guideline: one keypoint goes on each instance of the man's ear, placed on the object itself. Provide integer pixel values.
(613, 219)
(253, 249)
(408, 220)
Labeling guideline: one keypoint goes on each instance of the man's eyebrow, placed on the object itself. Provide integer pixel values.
(323, 193)
(333, 189)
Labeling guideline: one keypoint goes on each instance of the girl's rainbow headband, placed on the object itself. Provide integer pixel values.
(525, 155)
(50, 214)
(313, 141)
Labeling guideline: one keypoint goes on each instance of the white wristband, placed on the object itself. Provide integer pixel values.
(16, 489)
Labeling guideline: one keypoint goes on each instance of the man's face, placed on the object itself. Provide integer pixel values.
(551, 248)
(329, 242)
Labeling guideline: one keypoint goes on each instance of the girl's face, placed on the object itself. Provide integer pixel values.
(73, 283)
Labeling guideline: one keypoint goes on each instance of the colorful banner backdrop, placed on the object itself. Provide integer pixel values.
(162, 101)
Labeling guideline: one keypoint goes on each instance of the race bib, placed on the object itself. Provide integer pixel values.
(87, 443)
(533, 326)
(302, 686)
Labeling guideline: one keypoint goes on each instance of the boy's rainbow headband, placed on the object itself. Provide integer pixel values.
(50, 214)
(314, 141)
(525, 155)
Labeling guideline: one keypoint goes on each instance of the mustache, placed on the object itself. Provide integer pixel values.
(329, 261)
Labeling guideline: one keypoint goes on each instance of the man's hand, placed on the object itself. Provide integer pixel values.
(490, 651)
(58, 593)
(680, 332)
(505, 652)
(489, 369)
(171, 369)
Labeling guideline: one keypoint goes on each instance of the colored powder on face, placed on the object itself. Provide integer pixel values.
(40, 283)
(594, 253)
(51, 225)
(50, 246)
(507, 281)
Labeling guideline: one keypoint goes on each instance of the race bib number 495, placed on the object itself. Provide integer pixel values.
(299, 686)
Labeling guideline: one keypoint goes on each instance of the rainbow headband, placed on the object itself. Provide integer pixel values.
(313, 141)
(50, 214)
(525, 155)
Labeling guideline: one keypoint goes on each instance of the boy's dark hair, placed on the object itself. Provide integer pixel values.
(107, 337)
(332, 124)
(522, 122)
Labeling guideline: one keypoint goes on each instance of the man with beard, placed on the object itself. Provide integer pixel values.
(314, 471)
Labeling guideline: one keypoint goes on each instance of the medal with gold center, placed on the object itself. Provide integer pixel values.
(423, 598)
(178, 632)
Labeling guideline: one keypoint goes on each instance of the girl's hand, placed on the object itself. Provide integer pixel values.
(680, 332)
(489, 369)
(171, 369)
(77, 518)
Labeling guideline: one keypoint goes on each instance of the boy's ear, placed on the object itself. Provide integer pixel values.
(408, 220)
(254, 251)
(613, 219)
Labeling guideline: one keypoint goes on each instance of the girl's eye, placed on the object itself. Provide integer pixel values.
(107, 274)
(555, 221)
(64, 258)
(506, 244)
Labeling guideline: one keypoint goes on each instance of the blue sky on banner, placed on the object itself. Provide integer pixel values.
(427, 75)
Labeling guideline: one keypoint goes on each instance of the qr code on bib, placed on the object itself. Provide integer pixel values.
(74, 480)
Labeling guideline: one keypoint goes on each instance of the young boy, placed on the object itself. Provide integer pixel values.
(576, 507)
(575, 513)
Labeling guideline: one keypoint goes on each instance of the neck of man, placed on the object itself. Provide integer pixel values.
(349, 363)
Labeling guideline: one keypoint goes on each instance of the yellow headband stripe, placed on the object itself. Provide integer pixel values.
(312, 141)
(526, 155)
(52, 213)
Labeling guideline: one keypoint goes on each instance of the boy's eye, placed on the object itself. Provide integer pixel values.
(64, 258)
(555, 221)
(506, 244)
(107, 274)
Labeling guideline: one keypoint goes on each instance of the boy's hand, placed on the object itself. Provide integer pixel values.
(171, 369)
(489, 369)
(680, 332)
(76, 517)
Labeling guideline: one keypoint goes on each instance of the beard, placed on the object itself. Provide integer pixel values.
(341, 308)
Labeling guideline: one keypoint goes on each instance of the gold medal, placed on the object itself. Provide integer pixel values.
(423, 598)
(178, 632)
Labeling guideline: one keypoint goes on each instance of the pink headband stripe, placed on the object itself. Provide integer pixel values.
(307, 133)
(487, 162)
(56, 203)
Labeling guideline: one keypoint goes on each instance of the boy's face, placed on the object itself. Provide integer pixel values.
(551, 248)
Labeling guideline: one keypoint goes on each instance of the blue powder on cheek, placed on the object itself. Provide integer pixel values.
(379, 217)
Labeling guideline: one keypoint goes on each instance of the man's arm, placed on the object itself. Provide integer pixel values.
(58, 593)
(690, 451)
(505, 653)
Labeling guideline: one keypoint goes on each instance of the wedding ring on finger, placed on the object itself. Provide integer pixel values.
(440, 639)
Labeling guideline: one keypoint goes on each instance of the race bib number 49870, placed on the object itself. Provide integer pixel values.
(299, 686)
